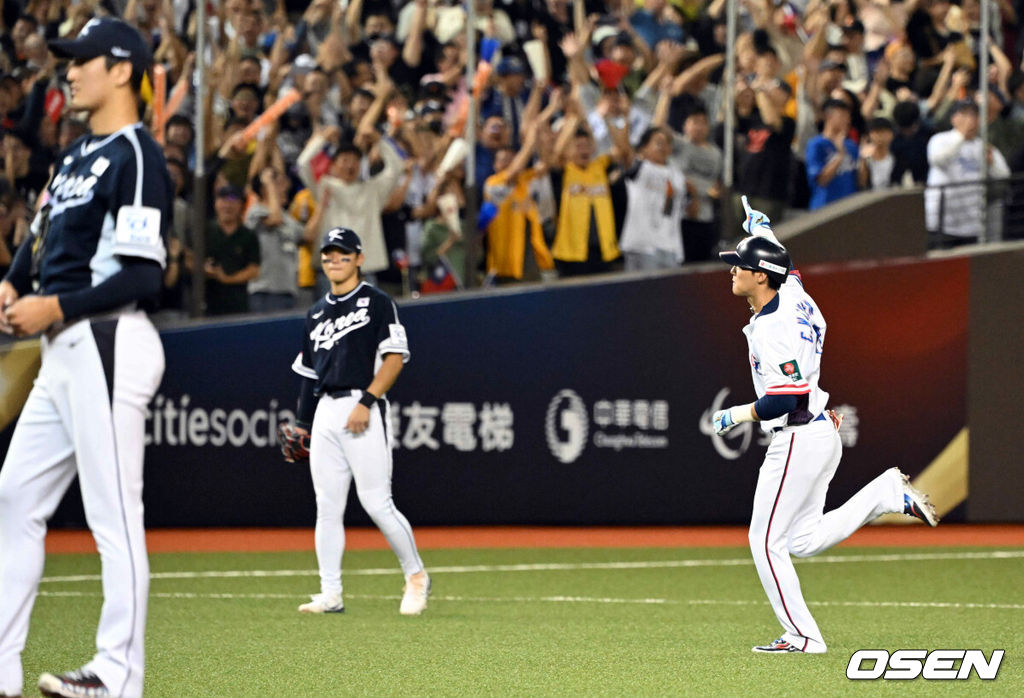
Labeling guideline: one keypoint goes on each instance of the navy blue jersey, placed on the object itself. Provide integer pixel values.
(346, 337)
(110, 197)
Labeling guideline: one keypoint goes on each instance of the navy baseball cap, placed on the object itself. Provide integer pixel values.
(510, 65)
(106, 36)
(230, 191)
(345, 239)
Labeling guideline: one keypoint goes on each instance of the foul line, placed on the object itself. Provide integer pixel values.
(568, 599)
(558, 566)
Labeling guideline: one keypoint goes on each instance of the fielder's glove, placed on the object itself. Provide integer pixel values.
(722, 421)
(294, 442)
(757, 223)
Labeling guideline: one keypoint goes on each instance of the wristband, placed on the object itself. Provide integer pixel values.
(741, 413)
(367, 399)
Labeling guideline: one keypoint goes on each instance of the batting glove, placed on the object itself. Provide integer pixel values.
(757, 223)
(722, 421)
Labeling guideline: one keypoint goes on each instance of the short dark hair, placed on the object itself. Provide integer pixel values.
(906, 114)
(345, 146)
(246, 87)
(362, 92)
(836, 104)
(648, 135)
(697, 110)
(26, 17)
(180, 120)
(136, 80)
(880, 123)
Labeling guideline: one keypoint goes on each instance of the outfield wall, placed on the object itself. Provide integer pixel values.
(577, 403)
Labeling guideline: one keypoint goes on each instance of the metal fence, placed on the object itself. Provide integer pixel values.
(975, 211)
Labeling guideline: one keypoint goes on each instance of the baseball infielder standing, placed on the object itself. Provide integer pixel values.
(352, 351)
(786, 337)
(95, 260)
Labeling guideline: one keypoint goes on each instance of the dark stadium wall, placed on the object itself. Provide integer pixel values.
(996, 378)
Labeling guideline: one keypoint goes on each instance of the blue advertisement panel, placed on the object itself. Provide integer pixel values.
(582, 403)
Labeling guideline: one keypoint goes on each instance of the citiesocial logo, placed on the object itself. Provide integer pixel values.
(566, 426)
(935, 665)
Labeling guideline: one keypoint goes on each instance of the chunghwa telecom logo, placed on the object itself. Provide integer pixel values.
(566, 426)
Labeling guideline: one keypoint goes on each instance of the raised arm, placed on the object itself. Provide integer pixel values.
(412, 53)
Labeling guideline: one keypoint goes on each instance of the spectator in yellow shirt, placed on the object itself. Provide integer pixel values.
(516, 250)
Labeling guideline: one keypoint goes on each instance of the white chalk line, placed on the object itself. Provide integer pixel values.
(564, 599)
(567, 566)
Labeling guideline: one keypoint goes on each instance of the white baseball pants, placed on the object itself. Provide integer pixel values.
(789, 519)
(70, 424)
(336, 457)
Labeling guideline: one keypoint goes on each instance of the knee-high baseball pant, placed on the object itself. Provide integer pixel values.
(789, 519)
(336, 458)
(85, 415)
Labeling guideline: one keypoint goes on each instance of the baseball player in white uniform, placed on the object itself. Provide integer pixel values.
(93, 266)
(352, 352)
(786, 337)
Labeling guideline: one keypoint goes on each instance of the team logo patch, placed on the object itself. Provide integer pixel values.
(791, 369)
(362, 302)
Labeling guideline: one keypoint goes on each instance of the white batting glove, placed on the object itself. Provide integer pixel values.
(757, 223)
(722, 421)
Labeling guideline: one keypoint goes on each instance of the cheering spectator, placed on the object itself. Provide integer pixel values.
(832, 157)
(876, 163)
(651, 235)
(276, 287)
(585, 239)
(909, 144)
(954, 211)
(516, 250)
(701, 162)
(353, 202)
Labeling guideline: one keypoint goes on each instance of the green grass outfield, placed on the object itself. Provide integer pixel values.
(594, 622)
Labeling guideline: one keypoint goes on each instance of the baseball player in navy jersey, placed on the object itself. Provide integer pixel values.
(93, 265)
(786, 337)
(353, 349)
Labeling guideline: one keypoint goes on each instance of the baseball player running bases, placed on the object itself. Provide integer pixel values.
(353, 349)
(785, 338)
(94, 264)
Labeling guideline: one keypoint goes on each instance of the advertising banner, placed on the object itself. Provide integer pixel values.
(582, 403)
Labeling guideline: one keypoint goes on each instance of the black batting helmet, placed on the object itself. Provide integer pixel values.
(760, 254)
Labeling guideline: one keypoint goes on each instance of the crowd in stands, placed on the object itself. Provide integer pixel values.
(598, 142)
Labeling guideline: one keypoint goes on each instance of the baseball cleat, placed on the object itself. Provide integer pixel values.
(414, 596)
(74, 684)
(777, 647)
(781, 646)
(917, 504)
(323, 603)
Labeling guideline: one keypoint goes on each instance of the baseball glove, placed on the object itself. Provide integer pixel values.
(294, 442)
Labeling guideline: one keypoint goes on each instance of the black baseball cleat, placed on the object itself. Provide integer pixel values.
(916, 504)
(74, 684)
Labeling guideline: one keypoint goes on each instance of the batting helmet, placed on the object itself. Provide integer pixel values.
(760, 254)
